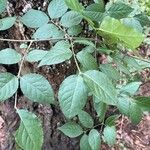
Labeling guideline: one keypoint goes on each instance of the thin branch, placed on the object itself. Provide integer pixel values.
(19, 72)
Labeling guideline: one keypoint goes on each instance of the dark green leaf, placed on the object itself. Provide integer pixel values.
(75, 30)
(110, 121)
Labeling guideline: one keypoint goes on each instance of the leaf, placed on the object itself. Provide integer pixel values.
(35, 55)
(116, 32)
(143, 102)
(8, 85)
(100, 108)
(71, 18)
(34, 18)
(119, 10)
(9, 56)
(29, 136)
(128, 107)
(84, 143)
(143, 19)
(133, 23)
(84, 42)
(94, 139)
(37, 88)
(3, 5)
(87, 61)
(58, 54)
(110, 71)
(72, 95)
(74, 5)
(7, 23)
(71, 129)
(48, 31)
(57, 8)
(130, 88)
(74, 30)
(96, 7)
(110, 121)
(110, 135)
(101, 86)
(85, 119)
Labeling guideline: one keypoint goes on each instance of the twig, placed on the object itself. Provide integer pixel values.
(19, 72)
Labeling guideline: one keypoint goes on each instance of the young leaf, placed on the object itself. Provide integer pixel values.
(72, 95)
(84, 143)
(94, 139)
(71, 18)
(116, 32)
(29, 135)
(3, 4)
(9, 56)
(87, 61)
(130, 88)
(85, 119)
(7, 23)
(58, 54)
(35, 55)
(110, 135)
(34, 18)
(119, 10)
(57, 8)
(71, 129)
(74, 30)
(8, 85)
(101, 86)
(48, 31)
(37, 88)
(74, 5)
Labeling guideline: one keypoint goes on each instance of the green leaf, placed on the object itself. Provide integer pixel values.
(87, 61)
(48, 31)
(7, 23)
(58, 54)
(100, 108)
(110, 71)
(101, 86)
(3, 5)
(57, 8)
(72, 95)
(9, 56)
(94, 139)
(84, 143)
(37, 88)
(74, 5)
(130, 88)
(95, 7)
(133, 23)
(116, 32)
(83, 41)
(74, 30)
(71, 129)
(110, 121)
(71, 18)
(119, 10)
(8, 85)
(85, 119)
(128, 107)
(143, 102)
(35, 55)
(143, 19)
(34, 18)
(110, 135)
(29, 136)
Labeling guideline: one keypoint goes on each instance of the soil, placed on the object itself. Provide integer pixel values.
(129, 137)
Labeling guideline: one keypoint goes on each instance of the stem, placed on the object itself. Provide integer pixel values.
(19, 72)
